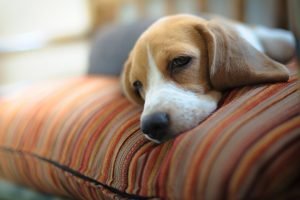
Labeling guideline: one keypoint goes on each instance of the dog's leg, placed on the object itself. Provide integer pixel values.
(278, 44)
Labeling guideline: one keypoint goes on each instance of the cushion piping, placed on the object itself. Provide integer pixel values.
(75, 173)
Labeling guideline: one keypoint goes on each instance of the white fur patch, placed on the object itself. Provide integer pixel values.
(185, 108)
(153, 140)
(247, 34)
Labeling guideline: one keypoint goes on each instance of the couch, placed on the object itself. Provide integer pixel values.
(80, 138)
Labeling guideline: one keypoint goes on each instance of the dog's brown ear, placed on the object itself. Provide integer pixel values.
(234, 62)
(126, 85)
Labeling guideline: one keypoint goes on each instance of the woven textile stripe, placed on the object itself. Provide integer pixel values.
(81, 138)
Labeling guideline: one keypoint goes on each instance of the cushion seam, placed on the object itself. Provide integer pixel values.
(74, 173)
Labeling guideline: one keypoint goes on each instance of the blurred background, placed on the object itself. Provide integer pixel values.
(48, 39)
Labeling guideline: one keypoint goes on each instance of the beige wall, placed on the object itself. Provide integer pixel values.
(52, 62)
(31, 25)
(49, 16)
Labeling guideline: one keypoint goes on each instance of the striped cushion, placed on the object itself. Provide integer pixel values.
(80, 138)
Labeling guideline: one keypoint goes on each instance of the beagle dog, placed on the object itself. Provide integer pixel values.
(181, 64)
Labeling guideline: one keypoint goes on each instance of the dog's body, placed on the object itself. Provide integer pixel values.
(180, 65)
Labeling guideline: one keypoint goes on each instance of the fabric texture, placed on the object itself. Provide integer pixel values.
(81, 138)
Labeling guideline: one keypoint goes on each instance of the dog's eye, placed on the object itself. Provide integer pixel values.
(137, 85)
(179, 62)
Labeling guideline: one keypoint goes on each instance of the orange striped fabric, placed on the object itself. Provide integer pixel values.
(80, 138)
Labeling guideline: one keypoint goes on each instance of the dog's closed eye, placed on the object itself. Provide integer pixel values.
(138, 86)
(179, 63)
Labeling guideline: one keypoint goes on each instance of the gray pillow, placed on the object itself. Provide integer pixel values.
(111, 46)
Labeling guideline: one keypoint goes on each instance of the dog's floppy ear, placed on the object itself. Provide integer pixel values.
(234, 62)
(126, 85)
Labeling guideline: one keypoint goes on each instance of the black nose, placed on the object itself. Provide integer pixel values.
(155, 125)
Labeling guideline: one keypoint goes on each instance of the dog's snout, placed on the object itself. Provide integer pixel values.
(155, 125)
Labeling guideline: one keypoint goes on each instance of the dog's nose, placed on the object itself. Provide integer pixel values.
(155, 125)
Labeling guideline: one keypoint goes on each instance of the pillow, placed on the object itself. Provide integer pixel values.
(80, 138)
(111, 46)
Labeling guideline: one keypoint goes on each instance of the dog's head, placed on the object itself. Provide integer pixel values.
(179, 66)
